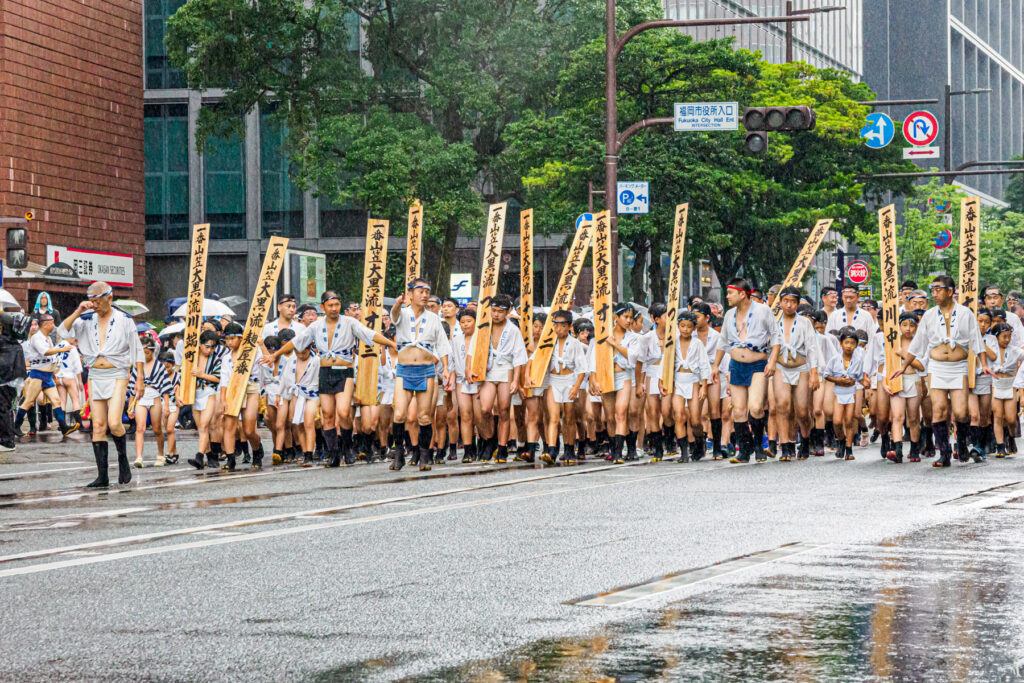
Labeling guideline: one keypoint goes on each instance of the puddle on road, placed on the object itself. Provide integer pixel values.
(942, 604)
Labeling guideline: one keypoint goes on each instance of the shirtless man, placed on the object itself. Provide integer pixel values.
(110, 346)
(947, 333)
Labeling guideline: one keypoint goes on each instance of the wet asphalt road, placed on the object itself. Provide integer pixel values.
(818, 570)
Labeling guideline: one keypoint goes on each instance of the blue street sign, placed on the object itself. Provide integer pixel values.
(943, 239)
(879, 131)
(633, 197)
(583, 217)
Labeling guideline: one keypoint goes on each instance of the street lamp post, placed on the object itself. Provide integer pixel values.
(613, 141)
(948, 137)
(790, 12)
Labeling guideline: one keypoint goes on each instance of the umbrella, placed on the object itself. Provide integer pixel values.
(131, 307)
(143, 327)
(211, 309)
(172, 329)
(8, 302)
(234, 301)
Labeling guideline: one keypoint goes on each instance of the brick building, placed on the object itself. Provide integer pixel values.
(71, 142)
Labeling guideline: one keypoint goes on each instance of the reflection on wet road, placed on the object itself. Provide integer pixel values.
(940, 604)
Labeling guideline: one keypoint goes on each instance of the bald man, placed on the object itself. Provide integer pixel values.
(110, 346)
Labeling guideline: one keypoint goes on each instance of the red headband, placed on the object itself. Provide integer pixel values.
(739, 289)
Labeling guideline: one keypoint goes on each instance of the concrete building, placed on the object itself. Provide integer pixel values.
(923, 49)
(71, 143)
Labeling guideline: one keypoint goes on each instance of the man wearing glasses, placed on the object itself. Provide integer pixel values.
(110, 346)
(947, 333)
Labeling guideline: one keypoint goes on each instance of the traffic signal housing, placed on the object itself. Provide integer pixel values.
(756, 142)
(779, 119)
(17, 248)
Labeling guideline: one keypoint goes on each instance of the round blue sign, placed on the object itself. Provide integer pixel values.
(943, 239)
(583, 217)
(879, 132)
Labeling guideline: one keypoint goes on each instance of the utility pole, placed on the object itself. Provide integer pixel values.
(613, 141)
(790, 12)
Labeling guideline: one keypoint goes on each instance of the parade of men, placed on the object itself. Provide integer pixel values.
(542, 340)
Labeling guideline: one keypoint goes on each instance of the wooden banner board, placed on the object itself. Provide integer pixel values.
(890, 318)
(970, 252)
(479, 350)
(414, 242)
(526, 275)
(803, 261)
(603, 325)
(194, 309)
(562, 301)
(266, 285)
(675, 276)
(372, 308)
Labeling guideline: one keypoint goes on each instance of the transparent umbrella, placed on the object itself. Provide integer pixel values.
(211, 308)
(131, 307)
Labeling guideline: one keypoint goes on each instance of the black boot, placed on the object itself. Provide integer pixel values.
(307, 459)
(804, 450)
(99, 451)
(197, 461)
(915, 451)
(684, 448)
(124, 470)
(757, 425)
(246, 458)
(895, 453)
(716, 438)
(331, 448)
(654, 443)
(785, 457)
(631, 446)
(398, 451)
(940, 430)
(468, 453)
(928, 434)
(697, 448)
(427, 455)
(213, 457)
(617, 441)
(229, 462)
(347, 450)
(963, 453)
(741, 435)
(423, 456)
(569, 454)
(257, 458)
(550, 454)
(974, 441)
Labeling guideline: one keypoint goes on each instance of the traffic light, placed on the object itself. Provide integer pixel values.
(17, 248)
(781, 119)
(705, 273)
(756, 142)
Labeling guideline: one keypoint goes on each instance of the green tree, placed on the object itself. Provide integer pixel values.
(417, 109)
(748, 214)
(915, 235)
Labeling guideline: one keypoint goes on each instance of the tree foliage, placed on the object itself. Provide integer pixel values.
(417, 109)
(748, 213)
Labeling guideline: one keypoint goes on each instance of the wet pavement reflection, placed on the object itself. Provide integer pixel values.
(944, 603)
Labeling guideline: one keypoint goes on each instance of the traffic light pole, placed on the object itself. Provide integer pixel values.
(613, 141)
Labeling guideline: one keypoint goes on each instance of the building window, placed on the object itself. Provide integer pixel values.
(166, 140)
(224, 187)
(341, 221)
(159, 72)
(281, 199)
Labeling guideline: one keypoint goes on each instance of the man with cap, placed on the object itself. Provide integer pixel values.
(796, 377)
(752, 339)
(947, 333)
(335, 337)
(109, 344)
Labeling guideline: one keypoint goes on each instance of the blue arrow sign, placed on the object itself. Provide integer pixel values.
(879, 132)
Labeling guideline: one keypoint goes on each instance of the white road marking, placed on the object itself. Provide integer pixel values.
(271, 533)
(85, 516)
(16, 475)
